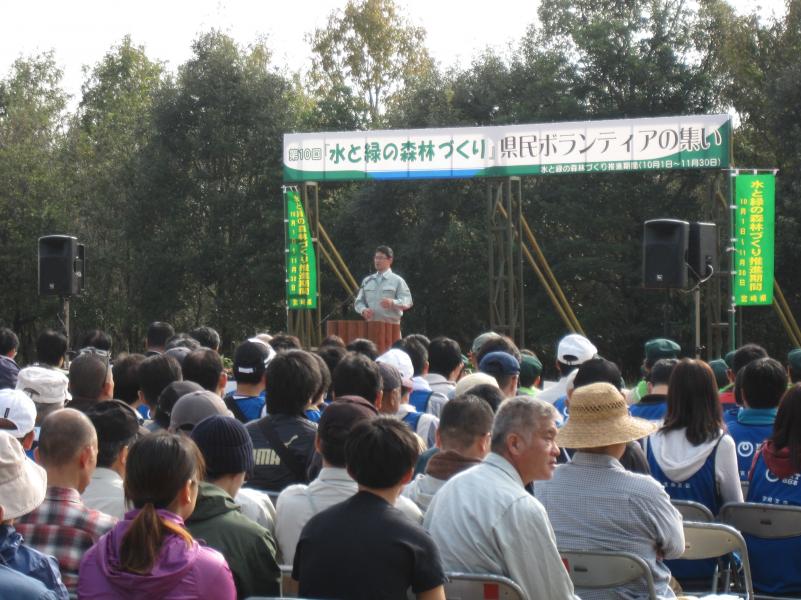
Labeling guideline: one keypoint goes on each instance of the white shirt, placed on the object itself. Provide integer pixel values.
(442, 389)
(105, 493)
(299, 503)
(257, 506)
(484, 521)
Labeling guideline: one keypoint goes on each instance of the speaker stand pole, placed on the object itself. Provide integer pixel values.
(65, 308)
(697, 301)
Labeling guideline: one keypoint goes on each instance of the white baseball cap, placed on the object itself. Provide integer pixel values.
(401, 361)
(43, 385)
(23, 483)
(17, 408)
(575, 349)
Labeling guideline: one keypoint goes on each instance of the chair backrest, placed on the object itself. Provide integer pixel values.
(598, 570)
(712, 540)
(763, 520)
(480, 586)
(289, 587)
(693, 511)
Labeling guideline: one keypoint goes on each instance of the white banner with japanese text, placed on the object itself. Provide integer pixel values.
(686, 142)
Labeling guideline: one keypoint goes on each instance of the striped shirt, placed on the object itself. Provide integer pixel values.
(593, 503)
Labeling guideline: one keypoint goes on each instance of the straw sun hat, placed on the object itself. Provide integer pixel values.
(599, 416)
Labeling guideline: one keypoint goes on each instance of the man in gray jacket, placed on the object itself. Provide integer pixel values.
(383, 296)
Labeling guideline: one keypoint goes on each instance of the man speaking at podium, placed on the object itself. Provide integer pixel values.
(383, 296)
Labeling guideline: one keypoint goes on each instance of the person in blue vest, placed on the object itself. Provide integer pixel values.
(251, 358)
(763, 382)
(691, 455)
(776, 479)
(395, 401)
(653, 405)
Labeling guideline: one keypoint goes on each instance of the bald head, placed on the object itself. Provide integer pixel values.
(65, 433)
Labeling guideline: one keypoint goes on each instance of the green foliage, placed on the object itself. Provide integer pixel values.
(32, 194)
(365, 54)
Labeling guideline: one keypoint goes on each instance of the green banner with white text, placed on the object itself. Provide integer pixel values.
(301, 266)
(755, 197)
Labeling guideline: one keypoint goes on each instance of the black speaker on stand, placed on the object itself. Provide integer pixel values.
(702, 252)
(62, 272)
(664, 253)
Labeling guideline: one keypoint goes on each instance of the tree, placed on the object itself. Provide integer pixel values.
(208, 201)
(111, 126)
(32, 196)
(365, 54)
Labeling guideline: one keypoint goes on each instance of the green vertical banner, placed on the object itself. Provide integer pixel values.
(755, 197)
(301, 266)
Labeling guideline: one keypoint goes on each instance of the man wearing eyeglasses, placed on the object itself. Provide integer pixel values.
(91, 379)
(383, 296)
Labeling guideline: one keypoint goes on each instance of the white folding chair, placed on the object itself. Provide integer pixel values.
(601, 570)
(766, 521)
(481, 586)
(713, 540)
(289, 587)
(693, 511)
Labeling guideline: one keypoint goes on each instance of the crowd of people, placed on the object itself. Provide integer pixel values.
(368, 473)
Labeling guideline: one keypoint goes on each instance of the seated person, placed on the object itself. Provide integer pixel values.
(250, 362)
(62, 525)
(621, 510)
(395, 401)
(248, 547)
(505, 368)
(150, 554)
(762, 383)
(22, 489)
(653, 405)
(776, 479)
(283, 441)
(364, 547)
(117, 427)
(299, 503)
(484, 520)
(463, 438)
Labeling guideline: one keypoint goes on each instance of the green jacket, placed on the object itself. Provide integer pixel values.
(247, 546)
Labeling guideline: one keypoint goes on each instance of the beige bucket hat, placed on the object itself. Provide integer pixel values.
(23, 483)
(599, 416)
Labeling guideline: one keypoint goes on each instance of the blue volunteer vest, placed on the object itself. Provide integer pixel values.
(412, 419)
(652, 412)
(419, 399)
(561, 405)
(775, 564)
(700, 487)
(747, 439)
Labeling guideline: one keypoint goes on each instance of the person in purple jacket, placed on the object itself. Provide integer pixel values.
(150, 554)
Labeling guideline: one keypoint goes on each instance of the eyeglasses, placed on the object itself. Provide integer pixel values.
(99, 352)
(103, 355)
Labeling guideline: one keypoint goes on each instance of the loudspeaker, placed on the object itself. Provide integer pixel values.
(702, 251)
(61, 262)
(664, 253)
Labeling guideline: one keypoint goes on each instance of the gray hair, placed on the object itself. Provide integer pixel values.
(520, 414)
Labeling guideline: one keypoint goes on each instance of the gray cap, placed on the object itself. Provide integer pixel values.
(192, 408)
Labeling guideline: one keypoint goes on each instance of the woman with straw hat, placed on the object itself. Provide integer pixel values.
(593, 503)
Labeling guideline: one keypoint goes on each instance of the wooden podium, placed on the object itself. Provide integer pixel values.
(381, 334)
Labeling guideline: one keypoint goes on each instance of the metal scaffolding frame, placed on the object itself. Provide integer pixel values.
(506, 258)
